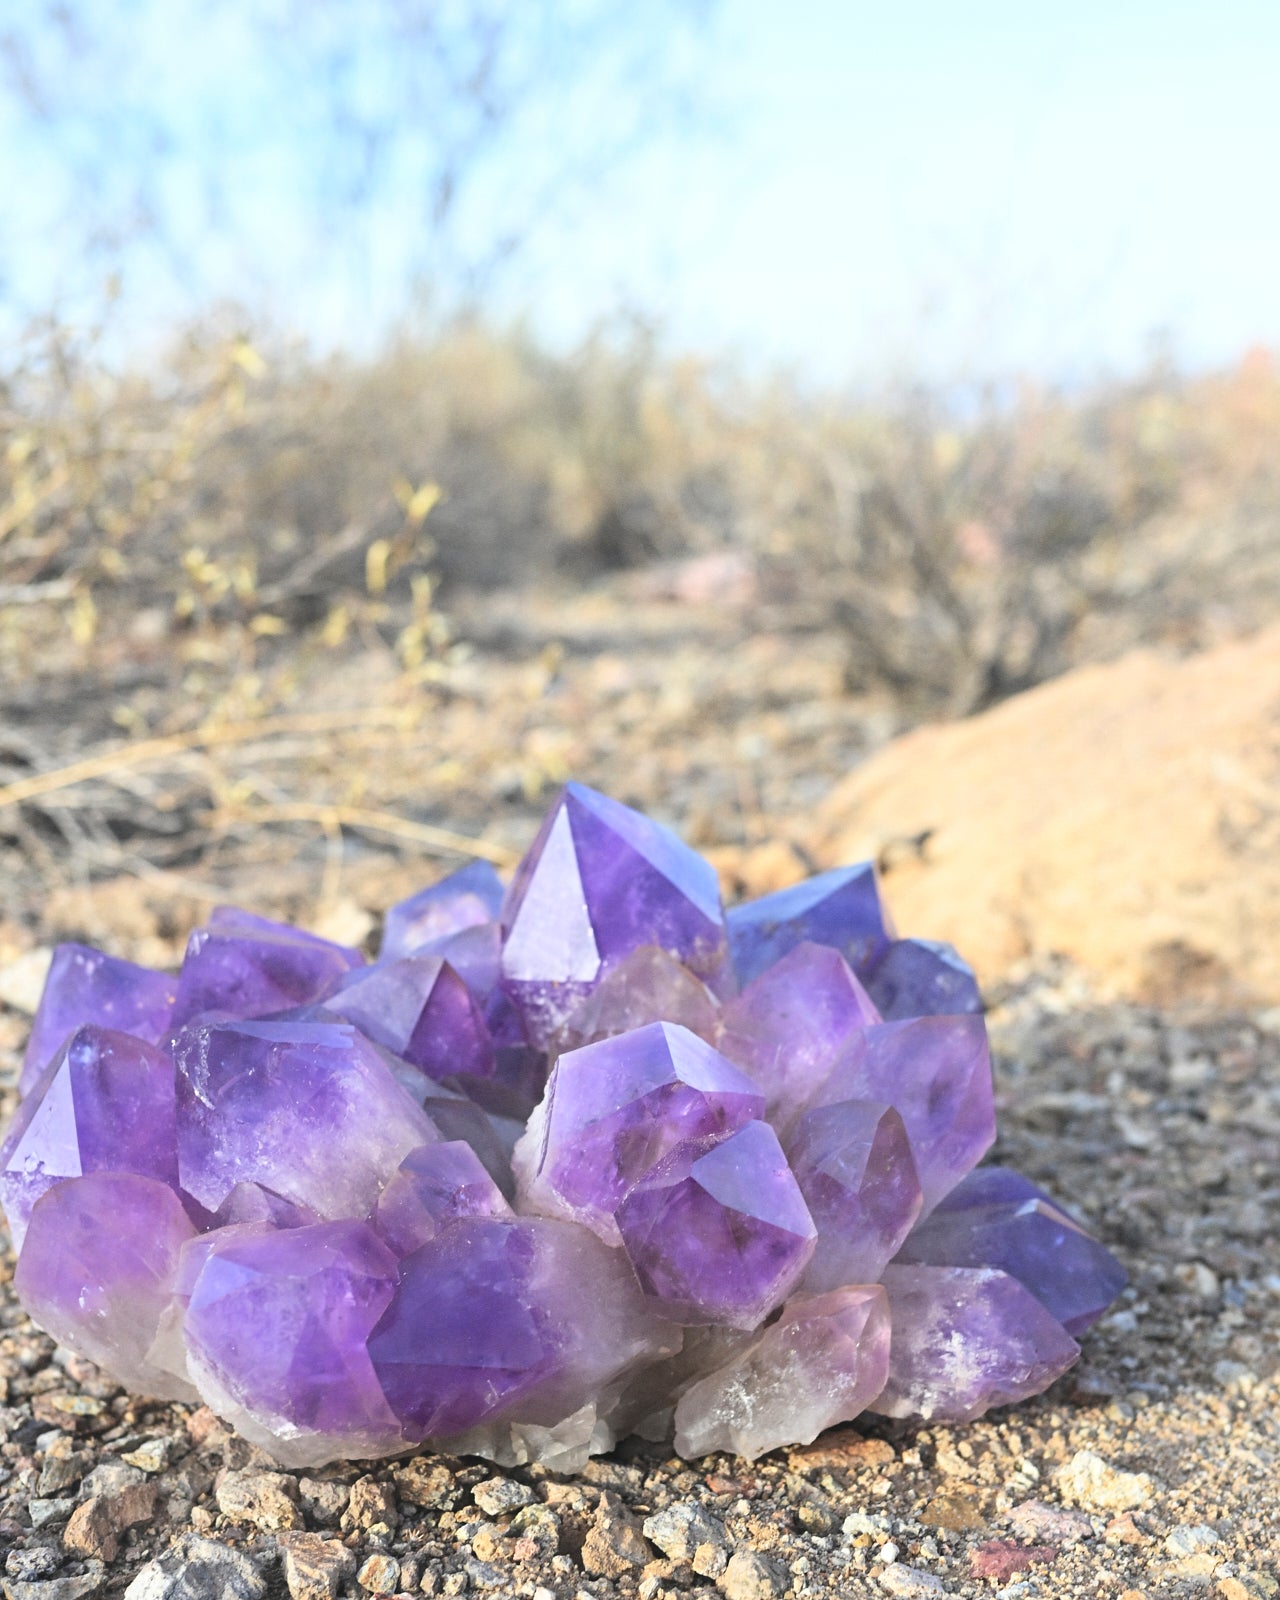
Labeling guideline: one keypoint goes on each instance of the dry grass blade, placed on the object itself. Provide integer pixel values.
(373, 821)
(142, 751)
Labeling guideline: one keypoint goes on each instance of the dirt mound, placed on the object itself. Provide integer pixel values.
(1126, 815)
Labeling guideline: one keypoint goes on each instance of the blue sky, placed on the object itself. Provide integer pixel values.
(892, 189)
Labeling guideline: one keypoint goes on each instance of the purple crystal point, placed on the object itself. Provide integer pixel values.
(646, 986)
(997, 1218)
(854, 1166)
(85, 986)
(719, 1234)
(841, 908)
(599, 881)
(612, 1110)
(789, 1025)
(433, 1186)
(465, 899)
(240, 967)
(922, 978)
(105, 1104)
(527, 1319)
(307, 1109)
(936, 1073)
(966, 1339)
(99, 1267)
(420, 1008)
(276, 1331)
(822, 1362)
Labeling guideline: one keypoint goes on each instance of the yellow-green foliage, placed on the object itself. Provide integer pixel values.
(239, 486)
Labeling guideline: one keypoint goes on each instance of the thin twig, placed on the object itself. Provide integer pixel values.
(331, 878)
(142, 751)
(423, 833)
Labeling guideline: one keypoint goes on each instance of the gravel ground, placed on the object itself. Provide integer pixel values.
(1151, 1470)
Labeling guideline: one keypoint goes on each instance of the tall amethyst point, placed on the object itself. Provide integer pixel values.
(646, 986)
(936, 1073)
(1002, 1220)
(276, 1332)
(420, 1008)
(613, 1110)
(822, 1362)
(966, 1339)
(86, 986)
(689, 924)
(105, 1104)
(719, 1234)
(307, 1109)
(922, 978)
(433, 1186)
(789, 1025)
(467, 898)
(98, 1269)
(235, 975)
(599, 881)
(495, 1319)
(841, 908)
(853, 1163)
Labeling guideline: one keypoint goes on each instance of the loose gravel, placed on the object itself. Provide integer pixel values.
(1152, 1470)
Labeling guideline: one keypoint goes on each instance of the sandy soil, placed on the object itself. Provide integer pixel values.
(1153, 1469)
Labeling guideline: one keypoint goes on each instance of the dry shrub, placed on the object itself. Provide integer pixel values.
(227, 581)
(286, 497)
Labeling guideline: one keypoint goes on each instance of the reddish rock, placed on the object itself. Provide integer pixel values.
(1000, 1559)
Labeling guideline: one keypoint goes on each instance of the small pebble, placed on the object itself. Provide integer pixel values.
(1189, 1539)
(484, 1575)
(45, 1513)
(41, 1561)
(194, 1568)
(371, 1508)
(910, 1582)
(750, 1576)
(153, 1456)
(498, 1496)
(379, 1575)
(1092, 1482)
(265, 1500)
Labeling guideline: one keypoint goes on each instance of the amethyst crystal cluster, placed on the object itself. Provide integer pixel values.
(582, 1157)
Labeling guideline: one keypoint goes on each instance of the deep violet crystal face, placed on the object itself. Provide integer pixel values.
(574, 1156)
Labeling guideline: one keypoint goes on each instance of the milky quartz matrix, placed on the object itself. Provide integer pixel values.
(574, 1157)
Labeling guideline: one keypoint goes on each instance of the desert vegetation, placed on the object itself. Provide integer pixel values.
(218, 567)
(964, 550)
